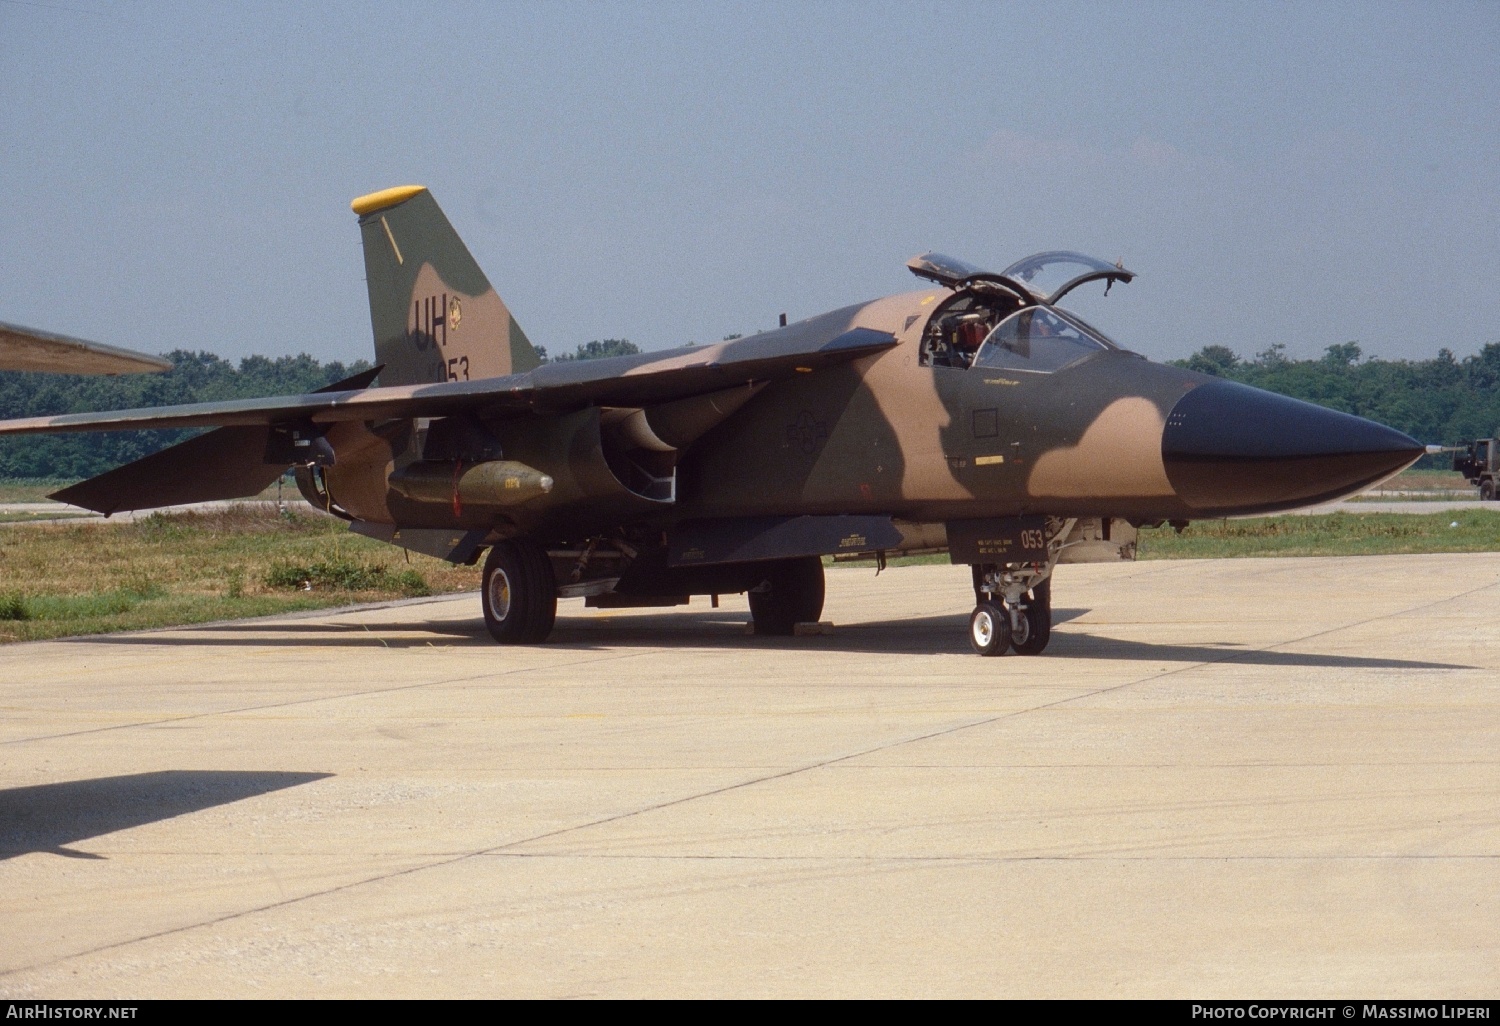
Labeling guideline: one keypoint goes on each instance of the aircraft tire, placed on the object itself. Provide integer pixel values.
(1487, 491)
(795, 595)
(543, 590)
(1038, 614)
(989, 629)
(518, 593)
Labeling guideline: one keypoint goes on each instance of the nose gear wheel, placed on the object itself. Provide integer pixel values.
(989, 629)
(1036, 615)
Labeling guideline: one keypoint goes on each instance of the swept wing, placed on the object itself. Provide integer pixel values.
(619, 381)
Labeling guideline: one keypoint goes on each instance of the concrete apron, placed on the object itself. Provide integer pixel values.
(1225, 778)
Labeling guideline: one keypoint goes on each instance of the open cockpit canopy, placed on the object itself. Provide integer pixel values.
(1041, 277)
(1053, 275)
(956, 274)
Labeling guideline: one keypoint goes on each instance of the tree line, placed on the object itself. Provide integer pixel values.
(1443, 400)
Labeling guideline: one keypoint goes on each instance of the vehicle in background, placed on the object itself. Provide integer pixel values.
(1477, 462)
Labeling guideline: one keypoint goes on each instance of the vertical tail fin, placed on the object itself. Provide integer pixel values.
(435, 315)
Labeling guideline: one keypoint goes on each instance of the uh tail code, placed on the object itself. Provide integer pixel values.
(431, 319)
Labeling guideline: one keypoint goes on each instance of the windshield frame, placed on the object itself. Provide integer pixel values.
(1101, 342)
(1087, 328)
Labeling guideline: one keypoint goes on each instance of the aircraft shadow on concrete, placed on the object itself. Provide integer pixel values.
(48, 817)
(926, 635)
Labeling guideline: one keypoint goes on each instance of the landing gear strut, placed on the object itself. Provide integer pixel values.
(1013, 609)
(518, 593)
(1035, 621)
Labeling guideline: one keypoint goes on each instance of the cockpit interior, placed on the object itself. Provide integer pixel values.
(1006, 320)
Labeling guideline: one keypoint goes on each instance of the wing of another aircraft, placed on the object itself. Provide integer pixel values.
(27, 349)
(555, 387)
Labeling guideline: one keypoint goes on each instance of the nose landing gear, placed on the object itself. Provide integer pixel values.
(1013, 611)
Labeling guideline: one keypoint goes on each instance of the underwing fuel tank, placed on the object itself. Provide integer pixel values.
(490, 483)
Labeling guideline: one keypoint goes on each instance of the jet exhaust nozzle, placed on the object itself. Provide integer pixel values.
(1232, 449)
(491, 483)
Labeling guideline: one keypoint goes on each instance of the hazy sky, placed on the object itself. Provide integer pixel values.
(178, 176)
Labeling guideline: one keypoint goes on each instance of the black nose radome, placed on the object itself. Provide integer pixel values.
(1230, 449)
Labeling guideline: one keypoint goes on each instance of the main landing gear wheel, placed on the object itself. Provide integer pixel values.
(1035, 622)
(1487, 491)
(519, 594)
(792, 594)
(989, 629)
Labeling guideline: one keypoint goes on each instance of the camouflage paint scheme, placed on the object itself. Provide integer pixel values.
(845, 415)
(29, 349)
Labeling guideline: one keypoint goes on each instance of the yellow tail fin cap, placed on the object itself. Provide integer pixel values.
(385, 198)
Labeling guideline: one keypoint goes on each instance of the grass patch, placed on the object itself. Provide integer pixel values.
(1424, 481)
(344, 574)
(169, 569)
(1332, 534)
(14, 607)
(93, 577)
(36, 489)
(891, 561)
(31, 489)
(1472, 493)
(31, 518)
(1420, 485)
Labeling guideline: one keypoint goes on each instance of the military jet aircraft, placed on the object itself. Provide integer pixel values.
(975, 416)
(28, 349)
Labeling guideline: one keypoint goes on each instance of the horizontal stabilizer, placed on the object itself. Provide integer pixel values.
(354, 382)
(225, 464)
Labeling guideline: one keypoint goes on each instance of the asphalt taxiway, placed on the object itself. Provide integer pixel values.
(1233, 778)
